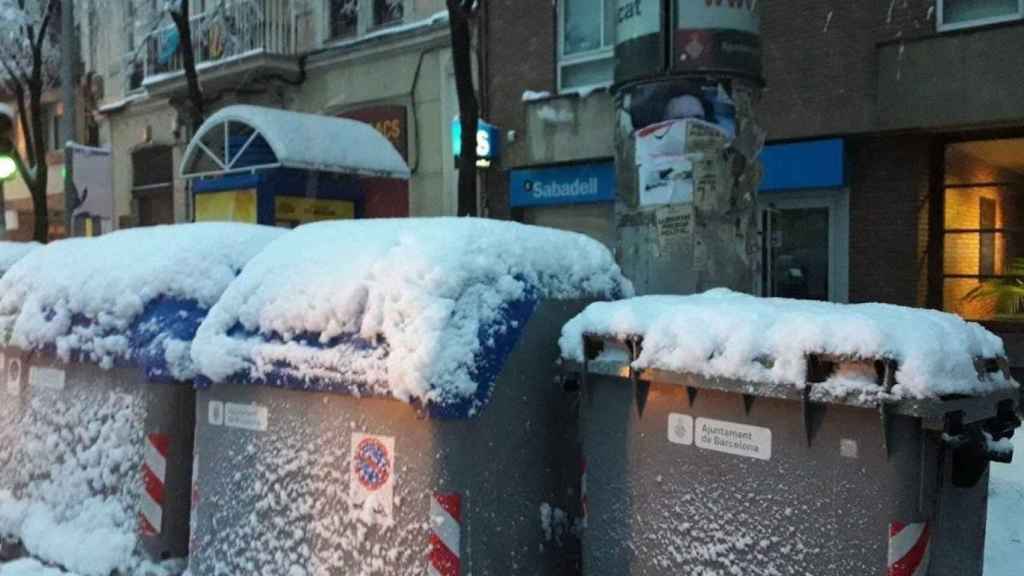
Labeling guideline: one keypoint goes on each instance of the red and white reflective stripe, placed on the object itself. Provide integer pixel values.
(154, 477)
(909, 547)
(445, 535)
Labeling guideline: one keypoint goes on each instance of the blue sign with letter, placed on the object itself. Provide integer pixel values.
(578, 184)
(488, 142)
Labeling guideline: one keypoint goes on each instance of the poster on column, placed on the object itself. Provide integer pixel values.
(675, 158)
(720, 36)
(92, 172)
(639, 39)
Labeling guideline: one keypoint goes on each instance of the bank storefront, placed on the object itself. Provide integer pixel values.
(576, 196)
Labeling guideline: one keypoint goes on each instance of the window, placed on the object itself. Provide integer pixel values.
(983, 244)
(56, 140)
(586, 44)
(343, 18)
(153, 185)
(954, 14)
(387, 12)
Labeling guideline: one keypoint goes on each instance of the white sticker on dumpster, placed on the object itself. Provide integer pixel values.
(46, 378)
(372, 481)
(733, 438)
(246, 416)
(216, 412)
(680, 429)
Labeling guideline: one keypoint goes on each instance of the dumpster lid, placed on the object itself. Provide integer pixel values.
(768, 342)
(11, 252)
(297, 140)
(400, 308)
(84, 296)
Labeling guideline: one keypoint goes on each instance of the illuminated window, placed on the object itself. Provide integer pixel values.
(983, 247)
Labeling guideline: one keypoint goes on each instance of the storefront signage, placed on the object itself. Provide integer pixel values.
(292, 211)
(488, 142)
(227, 206)
(717, 35)
(578, 184)
(638, 39)
(813, 164)
(391, 121)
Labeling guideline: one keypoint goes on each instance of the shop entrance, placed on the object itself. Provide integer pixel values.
(806, 245)
(983, 221)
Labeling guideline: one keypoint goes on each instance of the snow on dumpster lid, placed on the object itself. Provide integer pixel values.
(401, 308)
(11, 252)
(88, 295)
(730, 335)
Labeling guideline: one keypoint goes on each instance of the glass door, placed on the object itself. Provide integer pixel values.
(805, 246)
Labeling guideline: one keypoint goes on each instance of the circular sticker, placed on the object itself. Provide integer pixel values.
(372, 465)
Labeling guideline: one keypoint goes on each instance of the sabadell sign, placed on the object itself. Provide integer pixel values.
(721, 36)
(575, 184)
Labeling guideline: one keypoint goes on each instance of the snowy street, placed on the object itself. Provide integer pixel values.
(511, 287)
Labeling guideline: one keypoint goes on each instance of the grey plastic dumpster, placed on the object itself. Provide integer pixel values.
(98, 381)
(725, 434)
(10, 253)
(327, 454)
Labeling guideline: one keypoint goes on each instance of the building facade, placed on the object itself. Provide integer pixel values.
(384, 62)
(895, 143)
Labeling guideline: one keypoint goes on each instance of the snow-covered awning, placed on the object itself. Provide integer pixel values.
(243, 139)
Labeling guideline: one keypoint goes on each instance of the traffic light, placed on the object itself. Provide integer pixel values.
(7, 166)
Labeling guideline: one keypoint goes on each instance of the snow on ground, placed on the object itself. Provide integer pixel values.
(398, 305)
(81, 295)
(726, 334)
(29, 567)
(11, 252)
(1004, 535)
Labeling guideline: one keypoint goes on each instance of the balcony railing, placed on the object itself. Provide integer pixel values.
(233, 30)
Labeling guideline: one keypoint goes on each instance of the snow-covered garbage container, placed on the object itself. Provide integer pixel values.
(10, 253)
(96, 339)
(727, 434)
(383, 401)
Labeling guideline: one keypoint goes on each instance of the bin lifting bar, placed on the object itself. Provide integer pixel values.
(819, 369)
(888, 377)
(592, 348)
(641, 388)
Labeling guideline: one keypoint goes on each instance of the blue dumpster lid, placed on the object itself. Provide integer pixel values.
(724, 334)
(134, 295)
(422, 310)
(11, 252)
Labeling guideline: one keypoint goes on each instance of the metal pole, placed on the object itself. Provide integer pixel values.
(3, 212)
(69, 59)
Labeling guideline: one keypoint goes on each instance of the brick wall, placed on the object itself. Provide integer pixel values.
(820, 61)
(520, 55)
(889, 193)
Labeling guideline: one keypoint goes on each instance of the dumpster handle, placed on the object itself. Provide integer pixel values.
(591, 349)
(641, 388)
(887, 374)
